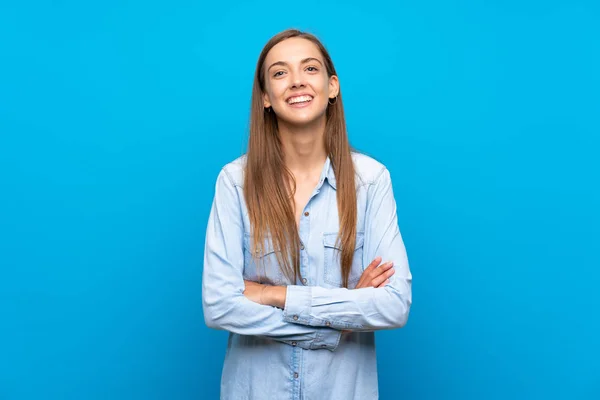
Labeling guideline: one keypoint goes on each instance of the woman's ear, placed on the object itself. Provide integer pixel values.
(334, 86)
(266, 101)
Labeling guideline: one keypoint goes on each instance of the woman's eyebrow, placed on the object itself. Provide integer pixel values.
(304, 61)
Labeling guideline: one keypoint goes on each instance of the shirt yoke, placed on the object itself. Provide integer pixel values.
(367, 169)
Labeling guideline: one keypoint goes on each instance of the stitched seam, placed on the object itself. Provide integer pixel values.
(231, 180)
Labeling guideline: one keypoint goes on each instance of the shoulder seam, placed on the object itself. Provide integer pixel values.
(229, 177)
(383, 169)
(376, 178)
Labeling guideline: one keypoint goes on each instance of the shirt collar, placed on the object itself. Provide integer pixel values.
(327, 174)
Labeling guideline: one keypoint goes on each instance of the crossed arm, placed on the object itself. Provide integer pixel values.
(375, 275)
(309, 317)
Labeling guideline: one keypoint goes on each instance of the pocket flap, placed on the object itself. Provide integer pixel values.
(329, 240)
(268, 246)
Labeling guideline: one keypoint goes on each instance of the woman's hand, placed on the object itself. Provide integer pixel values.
(376, 275)
(265, 294)
(254, 291)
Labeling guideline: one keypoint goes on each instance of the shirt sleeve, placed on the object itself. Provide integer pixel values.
(364, 309)
(224, 305)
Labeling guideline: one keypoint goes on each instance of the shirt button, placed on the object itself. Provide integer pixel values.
(295, 375)
(304, 280)
(306, 214)
(301, 247)
(294, 343)
(328, 323)
(295, 318)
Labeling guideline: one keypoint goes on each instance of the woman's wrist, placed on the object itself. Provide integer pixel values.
(274, 296)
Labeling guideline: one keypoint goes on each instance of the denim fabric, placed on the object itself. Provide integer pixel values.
(300, 352)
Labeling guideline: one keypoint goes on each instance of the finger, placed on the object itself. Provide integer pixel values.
(384, 283)
(365, 274)
(385, 266)
(359, 284)
(381, 269)
(383, 277)
(373, 264)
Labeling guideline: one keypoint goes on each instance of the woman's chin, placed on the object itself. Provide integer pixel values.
(302, 119)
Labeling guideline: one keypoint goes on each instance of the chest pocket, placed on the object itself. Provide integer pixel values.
(333, 254)
(263, 265)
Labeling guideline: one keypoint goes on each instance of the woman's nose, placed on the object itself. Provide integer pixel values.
(297, 80)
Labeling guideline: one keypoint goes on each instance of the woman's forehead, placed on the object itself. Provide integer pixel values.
(293, 50)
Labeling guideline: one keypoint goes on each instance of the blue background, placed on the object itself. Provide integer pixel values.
(115, 118)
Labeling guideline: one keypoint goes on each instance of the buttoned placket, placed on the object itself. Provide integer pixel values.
(304, 233)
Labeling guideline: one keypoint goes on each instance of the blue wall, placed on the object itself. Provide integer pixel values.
(116, 118)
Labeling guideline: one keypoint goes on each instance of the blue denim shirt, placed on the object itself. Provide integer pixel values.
(300, 352)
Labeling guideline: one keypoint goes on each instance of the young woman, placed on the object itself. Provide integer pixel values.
(297, 232)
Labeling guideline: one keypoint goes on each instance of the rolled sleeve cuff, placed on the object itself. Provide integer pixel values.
(298, 301)
(297, 309)
(327, 338)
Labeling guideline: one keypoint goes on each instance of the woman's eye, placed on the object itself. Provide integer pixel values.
(276, 74)
(312, 69)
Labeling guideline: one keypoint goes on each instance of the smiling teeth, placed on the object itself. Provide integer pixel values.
(299, 99)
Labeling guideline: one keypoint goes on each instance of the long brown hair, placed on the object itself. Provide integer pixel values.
(268, 194)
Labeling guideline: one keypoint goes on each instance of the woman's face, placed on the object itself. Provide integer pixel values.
(296, 82)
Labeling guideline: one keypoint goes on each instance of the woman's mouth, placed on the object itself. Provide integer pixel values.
(300, 101)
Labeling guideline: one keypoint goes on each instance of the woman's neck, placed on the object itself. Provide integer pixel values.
(304, 147)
